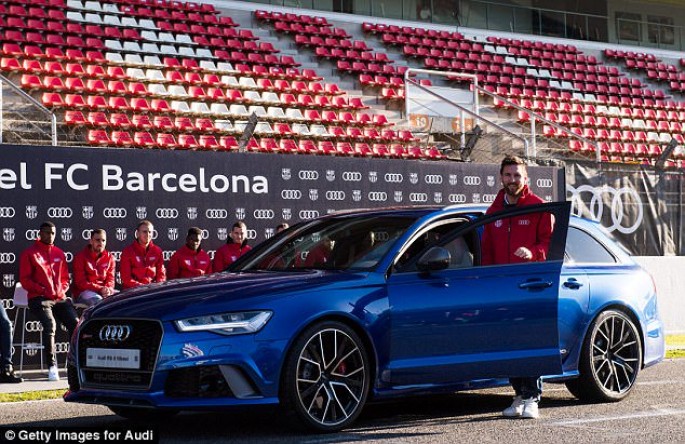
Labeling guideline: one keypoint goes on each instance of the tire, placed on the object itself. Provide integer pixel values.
(610, 360)
(325, 380)
(143, 414)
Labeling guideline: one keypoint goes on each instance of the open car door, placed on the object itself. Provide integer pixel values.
(461, 320)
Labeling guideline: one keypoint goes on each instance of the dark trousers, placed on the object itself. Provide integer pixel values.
(527, 387)
(5, 339)
(46, 310)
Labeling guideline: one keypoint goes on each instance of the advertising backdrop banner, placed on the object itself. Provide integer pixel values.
(80, 189)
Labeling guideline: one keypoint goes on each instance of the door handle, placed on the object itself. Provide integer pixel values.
(573, 284)
(535, 285)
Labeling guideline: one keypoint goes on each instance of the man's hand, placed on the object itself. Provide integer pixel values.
(105, 291)
(524, 253)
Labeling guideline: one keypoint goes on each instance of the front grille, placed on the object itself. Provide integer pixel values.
(197, 382)
(145, 335)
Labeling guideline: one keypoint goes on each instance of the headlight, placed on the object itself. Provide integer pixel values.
(227, 323)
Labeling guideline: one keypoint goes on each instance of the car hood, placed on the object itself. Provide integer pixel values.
(218, 293)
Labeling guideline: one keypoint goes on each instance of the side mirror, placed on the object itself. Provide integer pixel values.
(436, 258)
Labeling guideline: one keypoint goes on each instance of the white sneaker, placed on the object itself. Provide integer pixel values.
(53, 373)
(515, 409)
(530, 408)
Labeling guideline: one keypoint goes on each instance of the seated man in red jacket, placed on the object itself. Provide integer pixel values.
(44, 275)
(190, 260)
(142, 262)
(236, 246)
(93, 271)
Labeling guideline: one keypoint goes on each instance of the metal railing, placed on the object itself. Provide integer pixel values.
(18, 119)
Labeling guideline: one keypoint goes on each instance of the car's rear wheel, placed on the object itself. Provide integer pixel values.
(143, 414)
(610, 360)
(326, 378)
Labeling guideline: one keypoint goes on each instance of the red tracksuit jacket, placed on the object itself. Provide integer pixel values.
(43, 271)
(187, 263)
(228, 254)
(92, 271)
(503, 237)
(141, 266)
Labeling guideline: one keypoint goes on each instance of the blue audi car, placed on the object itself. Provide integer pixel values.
(368, 305)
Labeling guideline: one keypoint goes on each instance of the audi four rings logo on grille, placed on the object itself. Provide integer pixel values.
(263, 214)
(544, 183)
(335, 195)
(471, 180)
(308, 214)
(7, 258)
(115, 333)
(351, 176)
(433, 179)
(291, 194)
(216, 213)
(393, 178)
(418, 197)
(308, 175)
(60, 212)
(114, 213)
(166, 213)
(7, 212)
(31, 234)
(457, 198)
(378, 196)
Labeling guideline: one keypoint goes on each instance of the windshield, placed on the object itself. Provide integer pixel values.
(341, 243)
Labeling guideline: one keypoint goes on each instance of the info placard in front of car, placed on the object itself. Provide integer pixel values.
(113, 358)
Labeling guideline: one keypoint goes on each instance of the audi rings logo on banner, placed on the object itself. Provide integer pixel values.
(69, 256)
(250, 234)
(263, 213)
(166, 254)
(433, 179)
(8, 258)
(85, 234)
(166, 213)
(216, 213)
(610, 200)
(114, 213)
(393, 178)
(7, 304)
(31, 234)
(205, 234)
(544, 183)
(335, 195)
(457, 198)
(7, 212)
(61, 347)
(291, 194)
(471, 180)
(489, 198)
(60, 212)
(308, 214)
(377, 196)
(418, 197)
(351, 176)
(308, 175)
(116, 255)
(115, 333)
(33, 327)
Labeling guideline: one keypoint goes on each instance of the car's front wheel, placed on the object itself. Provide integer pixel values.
(326, 378)
(610, 359)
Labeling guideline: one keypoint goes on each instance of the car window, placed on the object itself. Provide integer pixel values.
(461, 248)
(581, 247)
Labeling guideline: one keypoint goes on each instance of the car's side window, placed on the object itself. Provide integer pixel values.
(582, 248)
(461, 251)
